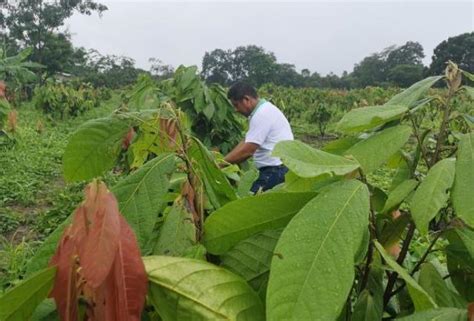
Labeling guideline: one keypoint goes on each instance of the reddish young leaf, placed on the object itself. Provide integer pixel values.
(100, 248)
(99, 263)
(64, 291)
(3, 89)
(66, 259)
(126, 286)
(128, 138)
(470, 311)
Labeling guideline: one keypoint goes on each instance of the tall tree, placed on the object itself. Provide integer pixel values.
(410, 53)
(217, 67)
(459, 49)
(251, 63)
(35, 24)
(370, 71)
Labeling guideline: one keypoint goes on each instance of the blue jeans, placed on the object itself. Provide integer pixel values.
(269, 177)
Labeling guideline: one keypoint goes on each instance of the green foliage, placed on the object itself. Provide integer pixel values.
(421, 299)
(218, 189)
(16, 70)
(436, 287)
(412, 95)
(462, 198)
(224, 229)
(457, 49)
(61, 101)
(309, 162)
(23, 24)
(19, 303)
(431, 195)
(176, 291)
(177, 235)
(212, 116)
(460, 257)
(251, 259)
(366, 118)
(94, 148)
(451, 314)
(334, 219)
(318, 252)
(377, 149)
(141, 195)
(399, 194)
(321, 116)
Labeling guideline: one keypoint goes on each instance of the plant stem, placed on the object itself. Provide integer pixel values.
(442, 130)
(420, 142)
(421, 261)
(393, 276)
(365, 277)
(425, 255)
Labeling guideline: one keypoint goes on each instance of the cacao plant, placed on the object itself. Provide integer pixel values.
(330, 243)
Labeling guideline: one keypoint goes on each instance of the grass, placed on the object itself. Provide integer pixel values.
(34, 199)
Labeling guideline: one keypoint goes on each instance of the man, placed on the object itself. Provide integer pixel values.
(267, 126)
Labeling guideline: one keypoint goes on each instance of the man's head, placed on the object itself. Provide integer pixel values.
(244, 98)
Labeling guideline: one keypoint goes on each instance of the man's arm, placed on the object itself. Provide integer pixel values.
(241, 152)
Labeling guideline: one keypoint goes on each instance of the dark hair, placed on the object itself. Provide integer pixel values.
(240, 89)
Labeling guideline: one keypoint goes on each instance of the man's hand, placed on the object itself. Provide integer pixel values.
(241, 152)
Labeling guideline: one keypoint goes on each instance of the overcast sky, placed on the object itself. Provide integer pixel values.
(322, 36)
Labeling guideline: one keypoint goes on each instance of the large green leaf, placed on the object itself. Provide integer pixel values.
(313, 269)
(142, 195)
(436, 287)
(411, 95)
(44, 253)
(460, 257)
(242, 218)
(246, 182)
(360, 119)
(306, 161)
(431, 195)
(177, 234)
(19, 303)
(188, 289)
(463, 198)
(218, 188)
(441, 314)
(374, 151)
(339, 146)
(295, 183)
(399, 194)
(251, 259)
(401, 169)
(93, 148)
(421, 299)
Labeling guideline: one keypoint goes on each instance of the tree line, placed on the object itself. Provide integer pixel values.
(37, 24)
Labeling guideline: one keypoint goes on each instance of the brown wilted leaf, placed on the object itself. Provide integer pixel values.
(470, 311)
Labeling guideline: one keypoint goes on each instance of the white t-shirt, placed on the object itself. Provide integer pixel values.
(267, 126)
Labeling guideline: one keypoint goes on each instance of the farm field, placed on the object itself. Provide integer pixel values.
(158, 164)
(43, 179)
